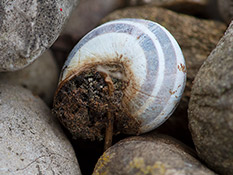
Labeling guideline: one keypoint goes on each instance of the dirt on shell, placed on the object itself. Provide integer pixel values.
(83, 102)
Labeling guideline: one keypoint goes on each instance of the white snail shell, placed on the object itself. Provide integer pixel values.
(154, 67)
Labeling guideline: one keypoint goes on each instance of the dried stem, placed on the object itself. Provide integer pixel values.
(109, 132)
(109, 126)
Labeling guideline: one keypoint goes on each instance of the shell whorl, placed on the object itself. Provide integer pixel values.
(154, 61)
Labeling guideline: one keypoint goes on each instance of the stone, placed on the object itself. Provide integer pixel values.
(41, 77)
(28, 28)
(184, 6)
(211, 107)
(196, 37)
(154, 155)
(31, 140)
(226, 10)
(164, 2)
(87, 16)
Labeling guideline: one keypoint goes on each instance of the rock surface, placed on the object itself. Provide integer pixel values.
(183, 6)
(28, 28)
(211, 107)
(87, 15)
(164, 2)
(197, 38)
(226, 10)
(156, 155)
(41, 77)
(31, 140)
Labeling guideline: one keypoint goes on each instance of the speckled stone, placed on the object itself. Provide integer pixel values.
(40, 77)
(157, 155)
(196, 37)
(211, 107)
(31, 140)
(226, 10)
(28, 28)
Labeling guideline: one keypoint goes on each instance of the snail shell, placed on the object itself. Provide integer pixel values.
(145, 67)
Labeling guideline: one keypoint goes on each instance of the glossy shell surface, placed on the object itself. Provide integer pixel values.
(155, 66)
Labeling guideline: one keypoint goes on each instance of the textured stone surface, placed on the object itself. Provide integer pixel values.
(211, 107)
(31, 140)
(41, 77)
(197, 38)
(28, 27)
(157, 155)
(226, 10)
(185, 6)
(164, 2)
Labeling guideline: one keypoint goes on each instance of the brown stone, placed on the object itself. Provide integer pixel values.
(184, 6)
(211, 107)
(151, 155)
(196, 37)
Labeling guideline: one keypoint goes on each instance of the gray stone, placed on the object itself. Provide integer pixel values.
(41, 77)
(211, 107)
(152, 155)
(196, 37)
(28, 28)
(226, 10)
(31, 140)
(87, 16)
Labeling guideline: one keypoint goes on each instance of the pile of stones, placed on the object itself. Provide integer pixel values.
(35, 40)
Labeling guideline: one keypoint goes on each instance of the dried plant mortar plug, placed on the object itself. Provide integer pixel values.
(124, 76)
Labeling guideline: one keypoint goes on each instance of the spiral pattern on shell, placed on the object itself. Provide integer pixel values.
(154, 67)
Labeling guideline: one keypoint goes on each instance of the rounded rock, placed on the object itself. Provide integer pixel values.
(41, 77)
(154, 155)
(226, 10)
(82, 19)
(28, 28)
(211, 107)
(184, 6)
(31, 140)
